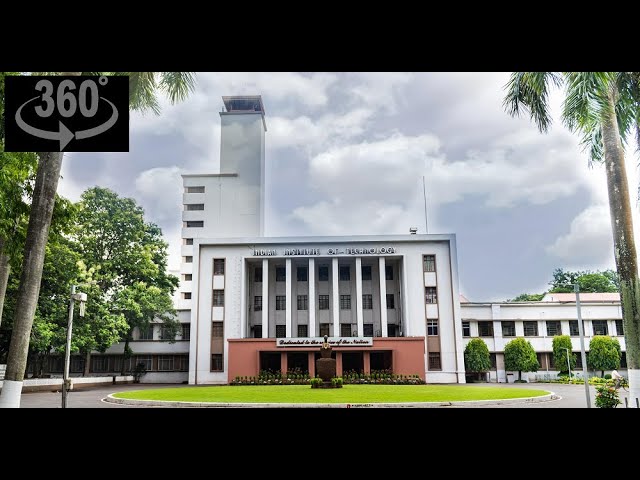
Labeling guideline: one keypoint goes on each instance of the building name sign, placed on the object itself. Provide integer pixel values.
(289, 252)
(318, 341)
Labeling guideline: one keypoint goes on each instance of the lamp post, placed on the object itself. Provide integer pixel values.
(74, 297)
(576, 288)
(568, 362)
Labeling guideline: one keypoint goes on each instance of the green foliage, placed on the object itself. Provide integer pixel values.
(607, 397)
(527, 297)
(560, 342)
(476, 356)
(315, 382)
(604, 353)
(519, 355)
(599, 281)
(337, 382)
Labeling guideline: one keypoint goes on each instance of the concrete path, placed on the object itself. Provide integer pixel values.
(572, 396)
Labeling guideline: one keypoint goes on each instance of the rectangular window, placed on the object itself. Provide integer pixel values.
(324, 329)
(193, 189)
(466, 329)
(257, 303)
(188, 241)
(302, 302)
(100, 364)
(366, 272)
(623, 360)
(217, 329)
(345, 329)
(368, 330)
(145, 333)
(301, 274)
(194, 224)
(492, 359)
(257, 275)
(434, 361)
(217, 365)
(186, 295)
(188, 259)
(508, 329)
(345, 273)
(388, 272)
(323, 273)
(186, 331)
(367, 301)
(619, 328)
(430, 295)
(167, 334)
(432, 326)
(257, 331)
(281, 331)
(579, 358)
(429, 263)
(530, 329)
(194, 206)
(165, 363)
(390, 301)
(345, 302)
(146, 361)
(281, 302)
(392, 330)
(218, 266)
(573, 328)
(218, 298)
(485, 329)
(600, 327)
(281, 274)
(187, 277)
(323, 302)
(303, 330)
(554, 327)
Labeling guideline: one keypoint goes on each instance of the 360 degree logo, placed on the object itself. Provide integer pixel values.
(93, 112)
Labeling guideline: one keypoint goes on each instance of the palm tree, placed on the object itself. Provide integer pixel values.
(604, 107)
(142, 96)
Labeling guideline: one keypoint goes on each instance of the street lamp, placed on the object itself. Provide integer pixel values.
(568, 362)
(75, 297)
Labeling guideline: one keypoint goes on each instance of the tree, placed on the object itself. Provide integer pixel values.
(127, 258)
(527, 297)
(476, 356)
(603, 108)
(560, 344)
(604, 353)
(520, 355)
(605, 281)
(142, 96)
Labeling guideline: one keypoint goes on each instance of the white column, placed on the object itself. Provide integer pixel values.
(336, 297)
(383, 297)
(359, 316)
(265, 298)
(311, 280)
(289, 299)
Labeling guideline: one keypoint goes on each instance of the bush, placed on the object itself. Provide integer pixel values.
(336, 382)
(607, 397)
(315, 382)
(607, 376)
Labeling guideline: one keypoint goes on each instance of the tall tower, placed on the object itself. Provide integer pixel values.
(229, 203)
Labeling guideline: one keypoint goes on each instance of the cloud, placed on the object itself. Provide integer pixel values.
(589, 240)
(159, 191)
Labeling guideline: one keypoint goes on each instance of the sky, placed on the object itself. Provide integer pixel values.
(346, 154)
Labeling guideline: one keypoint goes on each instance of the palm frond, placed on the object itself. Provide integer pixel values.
(587, 97)
(177, 85)
(142, 92)
(529, 92)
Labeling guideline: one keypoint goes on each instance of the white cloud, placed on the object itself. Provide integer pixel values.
(589, 241)
(159, 192)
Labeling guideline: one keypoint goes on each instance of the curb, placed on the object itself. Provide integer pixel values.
(551, 396)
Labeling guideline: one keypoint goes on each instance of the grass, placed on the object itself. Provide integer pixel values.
(347, 394)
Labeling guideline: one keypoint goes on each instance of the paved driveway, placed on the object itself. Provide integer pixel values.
(573, 396)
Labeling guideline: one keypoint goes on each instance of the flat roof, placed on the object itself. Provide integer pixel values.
(436, 237)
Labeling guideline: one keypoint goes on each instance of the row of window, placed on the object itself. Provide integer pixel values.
(303, 302)
(302, 273)
(151, 363)
(146, 334)
(554, 327)
(346, 330)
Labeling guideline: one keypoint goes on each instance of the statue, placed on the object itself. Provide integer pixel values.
(325, 365)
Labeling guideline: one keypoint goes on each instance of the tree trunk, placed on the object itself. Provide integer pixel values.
(87, 364)
(127, 354)
(44, 194)
(519, 374)
(4, 275)
(623, 244)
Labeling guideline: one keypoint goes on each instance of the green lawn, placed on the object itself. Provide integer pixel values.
(347, 394)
